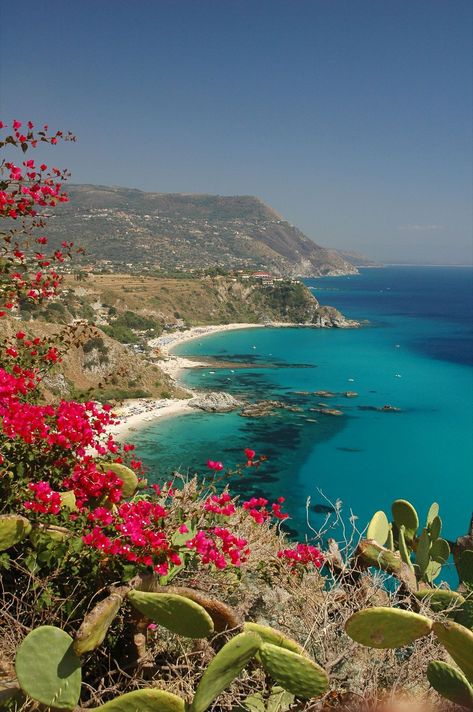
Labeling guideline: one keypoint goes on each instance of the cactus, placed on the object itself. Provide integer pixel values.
(176, 613)
(465, 567)
(13, 528)
(432, 513)
(386, 627)
(294, 672)
(434, 527)
(440, 551)
(378, 528)
(440, 599)
(279, 700)
(128, 477)
(47, 668)
(96, 623)
(224, 668)
(405, 515)
(431, 552)
(146, 700)
(271, 635)
(223, 616)
(450, 683)
(369, 553)
(458, 642)
(403, 550)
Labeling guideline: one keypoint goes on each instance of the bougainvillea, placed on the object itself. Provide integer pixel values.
(53, 459)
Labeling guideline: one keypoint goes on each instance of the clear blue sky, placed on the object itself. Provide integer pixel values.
(352, 118)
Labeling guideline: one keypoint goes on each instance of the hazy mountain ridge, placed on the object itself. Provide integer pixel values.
(128, 227)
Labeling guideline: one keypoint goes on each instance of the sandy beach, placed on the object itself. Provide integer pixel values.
(136, 413)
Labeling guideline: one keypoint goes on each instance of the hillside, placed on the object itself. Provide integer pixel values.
(122, 228)
(115, 316)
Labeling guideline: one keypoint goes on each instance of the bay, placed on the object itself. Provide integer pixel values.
(416, 354)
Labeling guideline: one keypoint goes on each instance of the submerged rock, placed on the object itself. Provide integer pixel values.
(381, 409)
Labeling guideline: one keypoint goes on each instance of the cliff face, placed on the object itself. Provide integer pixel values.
(134, 230)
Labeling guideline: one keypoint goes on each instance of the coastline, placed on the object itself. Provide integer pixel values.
(136, 413)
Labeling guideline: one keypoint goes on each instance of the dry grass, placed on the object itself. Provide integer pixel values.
(305, 609)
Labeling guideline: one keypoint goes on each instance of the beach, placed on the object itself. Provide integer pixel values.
(135, 413)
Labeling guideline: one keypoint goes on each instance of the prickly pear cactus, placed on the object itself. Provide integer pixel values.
(47, 668)
(128, 477)
(146, 700)
(68, 500)
(176, 613)
(271, 635)
(295, 673)
(386, 627)
(432, 513)
(450, 683)
(465, 567)
(440, 551)
(96, 623)
(458, 642)
(224, 668)
(405, 514)
(403, 549)
(439, 599)
(13, 528)
(223, 616)
(378, 528)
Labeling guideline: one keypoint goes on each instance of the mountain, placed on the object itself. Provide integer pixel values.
(129, 229)
(358, 260)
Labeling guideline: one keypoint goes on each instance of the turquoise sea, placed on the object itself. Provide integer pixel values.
(416, 353)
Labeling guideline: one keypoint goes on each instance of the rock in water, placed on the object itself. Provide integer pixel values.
(215, 402)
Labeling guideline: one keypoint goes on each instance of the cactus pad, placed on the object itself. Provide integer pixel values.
(440, 551)
(378, 528)
(224, 668)
(432, 513)
(96, 623)
(465, 566)
(223, 616)
(296, 673)
(13, 528)
(386, 627)
(458, 642)
(439, 599)
(403, 549)
(435, 527)
(271, 635)
(127, 476)
(450, 683)
(176, 613)
(423, 552)
(147, 700)
(405, 514)
(47, 668)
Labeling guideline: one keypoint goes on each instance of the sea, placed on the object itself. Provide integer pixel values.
(414, 352)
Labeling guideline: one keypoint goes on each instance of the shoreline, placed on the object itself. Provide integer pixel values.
(136, 413)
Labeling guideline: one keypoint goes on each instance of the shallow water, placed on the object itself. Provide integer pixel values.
(415, 354)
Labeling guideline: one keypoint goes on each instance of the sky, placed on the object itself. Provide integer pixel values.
(352, 118)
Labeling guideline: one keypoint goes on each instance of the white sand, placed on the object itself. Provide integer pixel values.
(138, 412)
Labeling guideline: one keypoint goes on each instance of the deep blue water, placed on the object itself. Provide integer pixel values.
(416, 353)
